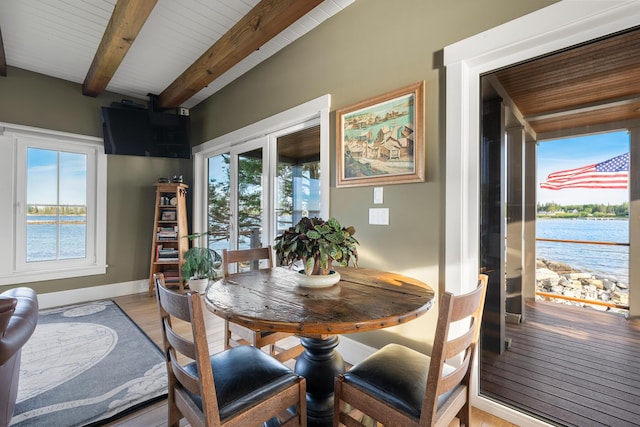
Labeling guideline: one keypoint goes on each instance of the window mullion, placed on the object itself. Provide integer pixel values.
(58, 208)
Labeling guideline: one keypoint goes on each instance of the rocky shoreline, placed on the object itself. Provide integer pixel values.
(557, 278)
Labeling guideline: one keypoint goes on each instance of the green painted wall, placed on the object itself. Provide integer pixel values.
(36, 100)
(372, 47)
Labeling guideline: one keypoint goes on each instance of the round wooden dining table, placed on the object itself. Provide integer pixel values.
(363, 300)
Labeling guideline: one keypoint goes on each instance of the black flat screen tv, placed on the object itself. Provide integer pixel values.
(141, 132)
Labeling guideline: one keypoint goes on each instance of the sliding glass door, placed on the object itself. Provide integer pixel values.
(246, 209)
(251, 199)
(236, 197)
(298, 176)
(254, 183)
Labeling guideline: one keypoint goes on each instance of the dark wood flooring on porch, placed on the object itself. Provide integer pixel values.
(570, 366)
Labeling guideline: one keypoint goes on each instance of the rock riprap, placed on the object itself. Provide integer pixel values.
(561, 279)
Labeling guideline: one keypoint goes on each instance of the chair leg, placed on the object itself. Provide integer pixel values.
(174, 414)
(227, 335)
(302, 406)
(337, 401)
(465, 415)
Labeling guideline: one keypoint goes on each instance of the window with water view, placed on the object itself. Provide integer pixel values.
(56, 215)
(56, 205)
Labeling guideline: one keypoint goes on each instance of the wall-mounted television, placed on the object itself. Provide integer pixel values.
(142, 132)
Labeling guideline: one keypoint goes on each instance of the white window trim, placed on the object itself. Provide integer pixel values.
(12, 139)
(316, 109)
(555, 27)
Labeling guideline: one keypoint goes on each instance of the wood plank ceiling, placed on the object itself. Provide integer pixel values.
(593, 84)
(241, 39)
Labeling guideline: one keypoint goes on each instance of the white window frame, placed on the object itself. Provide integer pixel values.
(310, 113)
(14, 142)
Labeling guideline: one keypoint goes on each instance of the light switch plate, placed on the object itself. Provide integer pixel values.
(379, 216)
(377, 195)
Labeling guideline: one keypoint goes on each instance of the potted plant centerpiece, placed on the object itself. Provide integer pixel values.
(200, 264)
(317, 243)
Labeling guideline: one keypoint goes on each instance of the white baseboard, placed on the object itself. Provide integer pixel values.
(74, 296)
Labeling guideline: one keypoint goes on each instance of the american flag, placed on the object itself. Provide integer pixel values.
(612, 173)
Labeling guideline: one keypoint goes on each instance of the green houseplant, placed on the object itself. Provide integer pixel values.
(200, 264)
(317, 243)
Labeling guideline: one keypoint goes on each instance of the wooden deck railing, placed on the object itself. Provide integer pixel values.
(587, 242)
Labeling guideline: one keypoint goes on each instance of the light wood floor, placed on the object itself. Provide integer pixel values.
(143, 310)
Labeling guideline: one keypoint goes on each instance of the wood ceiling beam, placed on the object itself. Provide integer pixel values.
(267, 19)
(3, 59)
(125, 23)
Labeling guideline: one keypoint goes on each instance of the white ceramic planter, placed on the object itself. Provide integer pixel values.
(317, 281)
(198, 285)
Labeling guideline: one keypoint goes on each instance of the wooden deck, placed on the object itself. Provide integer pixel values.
(570, 366)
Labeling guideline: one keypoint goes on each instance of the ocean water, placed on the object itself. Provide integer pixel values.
(41, 238)
(600, 259)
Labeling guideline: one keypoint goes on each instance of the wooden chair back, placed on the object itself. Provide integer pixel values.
(187, 308)
(254, 255)
(462, 346)
(259, 390)
(384, 386)
(236, 335)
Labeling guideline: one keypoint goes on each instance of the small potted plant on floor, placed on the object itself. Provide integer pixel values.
(317, 243)
(200, 264)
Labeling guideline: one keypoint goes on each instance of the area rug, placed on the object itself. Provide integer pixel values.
(86, 365)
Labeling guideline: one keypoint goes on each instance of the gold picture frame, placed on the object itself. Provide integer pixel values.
(381, 140)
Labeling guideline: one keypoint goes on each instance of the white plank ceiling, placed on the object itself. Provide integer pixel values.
(59, 38)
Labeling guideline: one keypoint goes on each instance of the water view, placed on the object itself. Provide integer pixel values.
(600, 259)
(42, 237)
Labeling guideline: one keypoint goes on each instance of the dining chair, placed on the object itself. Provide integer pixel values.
(239, 387)
(235, 334)
(398, 386)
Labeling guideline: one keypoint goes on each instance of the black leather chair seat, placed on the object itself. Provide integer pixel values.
(243, 376)
(397, 375)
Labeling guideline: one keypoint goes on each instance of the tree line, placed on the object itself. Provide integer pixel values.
(53, 210)
(250, 195)
(598, 210)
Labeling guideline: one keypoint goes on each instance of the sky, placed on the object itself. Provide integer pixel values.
(560, 154)
(43, 171)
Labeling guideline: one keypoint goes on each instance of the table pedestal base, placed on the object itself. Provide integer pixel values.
(319, 364)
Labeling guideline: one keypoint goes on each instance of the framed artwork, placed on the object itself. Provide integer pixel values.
(380, 140)
(168, 215)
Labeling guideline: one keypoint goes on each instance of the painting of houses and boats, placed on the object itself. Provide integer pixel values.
(380, 140)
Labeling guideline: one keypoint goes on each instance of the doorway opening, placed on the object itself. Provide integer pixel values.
(557, 26)
(537, 357)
